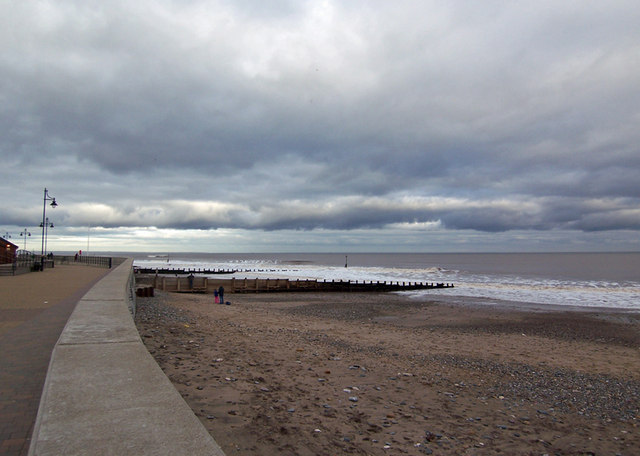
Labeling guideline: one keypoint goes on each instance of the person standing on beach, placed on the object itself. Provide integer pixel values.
(221, 294)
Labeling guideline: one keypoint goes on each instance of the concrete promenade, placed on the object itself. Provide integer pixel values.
(33, 311)
(104, 394)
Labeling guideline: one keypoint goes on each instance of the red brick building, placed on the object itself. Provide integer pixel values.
(7, 251)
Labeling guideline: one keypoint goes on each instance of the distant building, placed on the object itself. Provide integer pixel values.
(7, 251)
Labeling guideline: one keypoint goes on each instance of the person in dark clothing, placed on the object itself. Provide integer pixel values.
(221, 294)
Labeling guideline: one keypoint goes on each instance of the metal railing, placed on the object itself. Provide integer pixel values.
(28, 261)
(99, 261)
(25, 259)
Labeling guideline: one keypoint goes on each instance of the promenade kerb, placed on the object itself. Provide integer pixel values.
(104, 393)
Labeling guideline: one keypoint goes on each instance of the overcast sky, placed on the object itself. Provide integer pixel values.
(361, 125)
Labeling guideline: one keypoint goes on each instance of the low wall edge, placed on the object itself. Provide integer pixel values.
(104, 394)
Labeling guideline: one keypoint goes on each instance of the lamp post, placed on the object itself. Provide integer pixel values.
(25, 233)
(46, 198)
(47, 225)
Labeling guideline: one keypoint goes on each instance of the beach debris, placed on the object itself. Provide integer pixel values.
(430, 436)
(353, 398)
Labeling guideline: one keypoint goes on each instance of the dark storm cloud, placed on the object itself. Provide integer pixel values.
(321, 115)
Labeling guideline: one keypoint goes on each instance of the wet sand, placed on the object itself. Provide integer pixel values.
(379, 374)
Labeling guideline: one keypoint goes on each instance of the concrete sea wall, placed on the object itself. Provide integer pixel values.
(104, 393)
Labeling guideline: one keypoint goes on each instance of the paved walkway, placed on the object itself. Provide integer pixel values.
(33, 311)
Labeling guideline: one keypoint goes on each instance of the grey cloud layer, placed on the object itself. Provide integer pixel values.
(305, 115)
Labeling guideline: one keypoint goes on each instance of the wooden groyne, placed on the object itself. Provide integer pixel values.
(208, 285)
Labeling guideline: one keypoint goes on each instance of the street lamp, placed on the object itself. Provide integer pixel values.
(47, 225)
(44, 211)
(25, 233)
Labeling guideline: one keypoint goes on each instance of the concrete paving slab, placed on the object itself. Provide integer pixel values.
(113, 286)
(110, 290)
(99, 322)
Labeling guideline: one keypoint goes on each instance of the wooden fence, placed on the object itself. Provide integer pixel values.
(208, 285)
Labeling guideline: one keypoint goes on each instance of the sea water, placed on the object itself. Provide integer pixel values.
(583, 280)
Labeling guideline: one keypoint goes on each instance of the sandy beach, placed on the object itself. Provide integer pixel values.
(380, 374)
